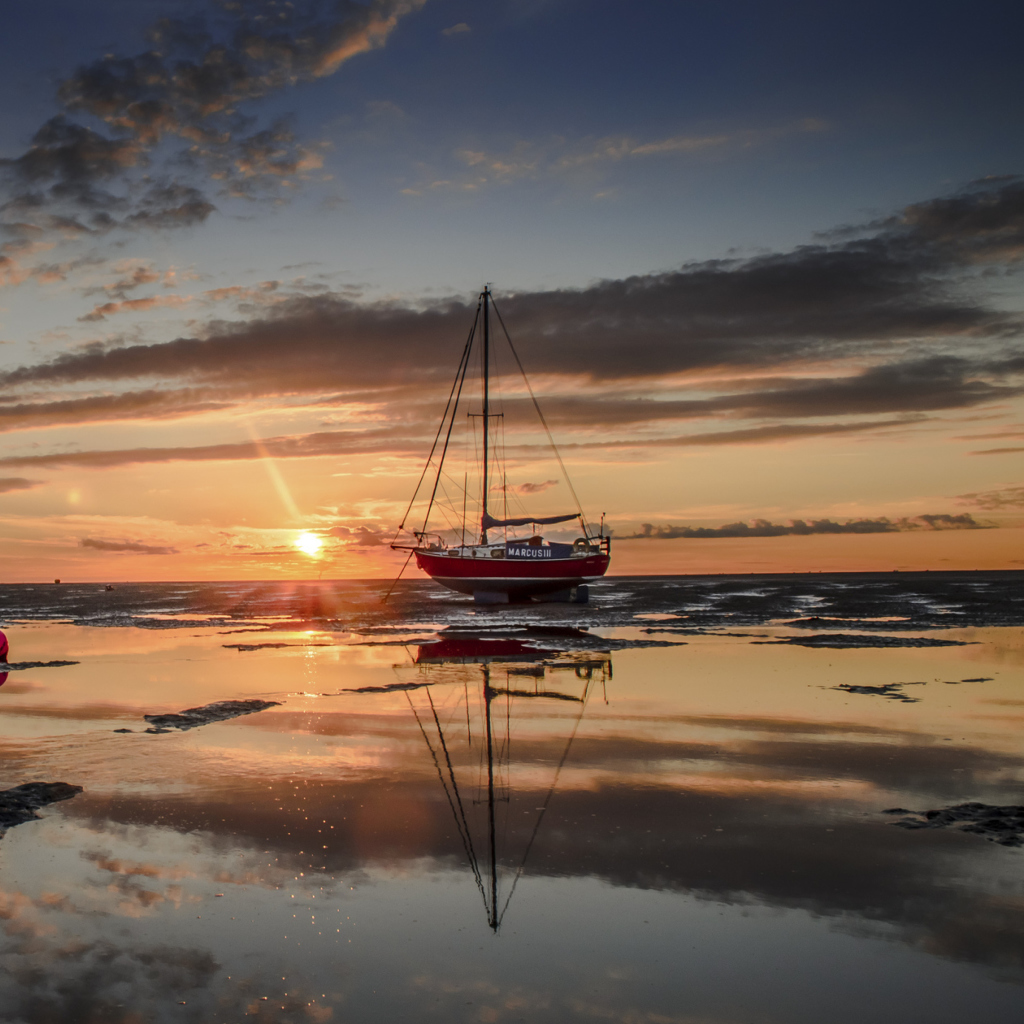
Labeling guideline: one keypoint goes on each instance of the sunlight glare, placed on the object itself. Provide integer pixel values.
(309, 544)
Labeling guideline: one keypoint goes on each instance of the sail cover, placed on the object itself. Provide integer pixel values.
(489, 522)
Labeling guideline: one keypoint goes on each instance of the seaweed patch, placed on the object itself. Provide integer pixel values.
(1003, 825)
(220, 711)
(260, 647)
(892, 691)
(843, 640)
(389, 688)
(20, 666)
(20, 804)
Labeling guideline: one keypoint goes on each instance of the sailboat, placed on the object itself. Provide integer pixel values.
(489, 558)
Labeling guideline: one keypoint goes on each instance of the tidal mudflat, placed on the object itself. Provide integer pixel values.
(768, 799)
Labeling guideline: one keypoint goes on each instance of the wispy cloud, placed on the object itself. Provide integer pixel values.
(533, 488)
(561, 156)
(993, 501)
(291, 446)
(102, 311)
(152, 403)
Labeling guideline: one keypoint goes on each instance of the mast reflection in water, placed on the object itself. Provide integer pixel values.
(473, 691)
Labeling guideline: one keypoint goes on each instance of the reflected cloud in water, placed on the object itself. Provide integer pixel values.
(643, 845)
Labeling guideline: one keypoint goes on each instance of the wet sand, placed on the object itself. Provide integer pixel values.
(689, 817)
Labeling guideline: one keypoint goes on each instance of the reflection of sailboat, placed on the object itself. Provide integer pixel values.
(500, 678)
(495, 565)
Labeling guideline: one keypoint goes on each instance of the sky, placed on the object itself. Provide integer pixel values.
(761, 261)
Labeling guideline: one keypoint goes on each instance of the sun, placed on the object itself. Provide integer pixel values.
(309, 544)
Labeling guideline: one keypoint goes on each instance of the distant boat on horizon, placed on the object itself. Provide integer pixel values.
(497, 565)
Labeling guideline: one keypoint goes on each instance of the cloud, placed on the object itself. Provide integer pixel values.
(558, 158)
(360, 536)
(391, 440)
(183, 103)
(912, 386)
(455, 30)
(169, 205)
(133, 275)
(867, 333)
(386, 440)
(756, 435)
(130, 546)
(990, 501)
(17, 483)
(260, 293)
(14, 272)
(106, 309)
(984, 220)
(998, 451)
(802, 528)
(529, 488)
(130, 405)
(866, 298)
(74, 156)
(305, 446)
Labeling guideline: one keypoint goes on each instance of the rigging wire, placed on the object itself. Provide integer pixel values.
(391, 589)
(467, 843)
(444, 451)
(540, 414)
(451, 771)
(460, 374)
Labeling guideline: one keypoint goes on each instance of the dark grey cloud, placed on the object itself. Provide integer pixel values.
(184, 103)
(895, 300)
(130, 546)
(72, 154)
(200, 69)
(170, 205)
(911, 386)
(865, 333)
(984, 220)
(805, 528)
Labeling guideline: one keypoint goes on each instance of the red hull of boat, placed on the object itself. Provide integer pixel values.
(510, 576)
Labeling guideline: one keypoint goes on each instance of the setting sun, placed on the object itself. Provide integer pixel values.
(309, 543)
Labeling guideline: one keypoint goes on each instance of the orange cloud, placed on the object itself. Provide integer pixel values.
(134, 306)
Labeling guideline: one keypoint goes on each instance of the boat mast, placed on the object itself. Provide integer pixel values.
(487, 410)
(492, 917)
